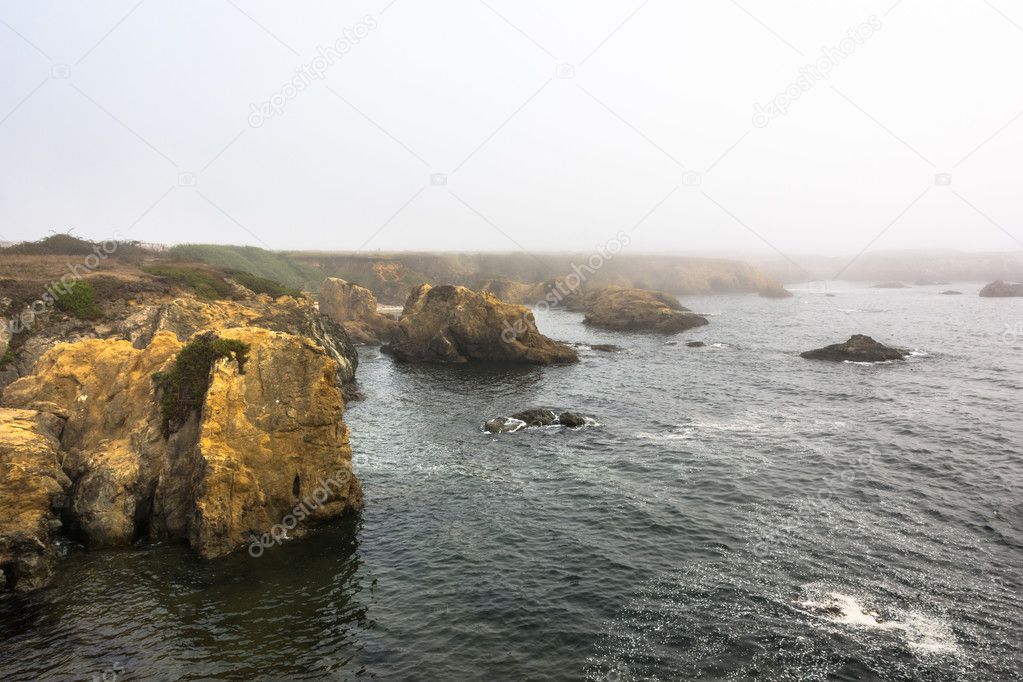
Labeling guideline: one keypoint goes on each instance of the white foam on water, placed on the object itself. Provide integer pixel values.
(924, 635)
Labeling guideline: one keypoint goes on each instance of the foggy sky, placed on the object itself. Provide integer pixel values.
(500, 125)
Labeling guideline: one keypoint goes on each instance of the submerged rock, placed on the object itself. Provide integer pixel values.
(264, 441)
(534, 418)
(951, 292)
(356, 309)
(638, 310)
(1000, 289)
(571, 419)
(606, 347)
(456, 325)
(696, 344)
(858, 348)
(537, 417)
(504, 425)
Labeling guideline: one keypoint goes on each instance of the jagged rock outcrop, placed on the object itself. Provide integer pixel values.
(858, 348)
(355, 308)
(32, 489)
(264, 441)
(185, 317)
(1000, 289)
(638, 309)
(455, 324)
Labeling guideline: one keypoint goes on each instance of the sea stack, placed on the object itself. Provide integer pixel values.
(453, 324)
(858, 348)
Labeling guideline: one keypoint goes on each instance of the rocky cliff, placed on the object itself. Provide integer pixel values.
(355, 308)
(455, 324)
(264, 439)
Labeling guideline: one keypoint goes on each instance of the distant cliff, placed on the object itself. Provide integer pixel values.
(390, 276)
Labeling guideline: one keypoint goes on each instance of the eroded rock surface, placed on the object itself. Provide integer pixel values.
(858, 348)
(356, 309)
(264, 440)
(32, 488)
(456, 325)
(638, 310)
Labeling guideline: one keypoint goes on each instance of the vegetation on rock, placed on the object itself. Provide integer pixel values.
(183, 388)
(79, 299)
(263, 285)
(207, 284)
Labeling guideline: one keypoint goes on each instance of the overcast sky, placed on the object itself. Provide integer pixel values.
(507, 124)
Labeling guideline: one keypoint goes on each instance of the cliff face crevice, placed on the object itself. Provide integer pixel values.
(225, 476)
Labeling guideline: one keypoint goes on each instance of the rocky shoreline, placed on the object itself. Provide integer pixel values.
(206, 407)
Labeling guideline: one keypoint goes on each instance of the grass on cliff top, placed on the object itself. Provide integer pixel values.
(78, 299)
(263, 285)
(207, 284)
(182, 390)
(251, 259)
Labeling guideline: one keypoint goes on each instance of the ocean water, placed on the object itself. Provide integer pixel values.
(738, 513)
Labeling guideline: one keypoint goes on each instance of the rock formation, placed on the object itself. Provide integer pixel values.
(455, 324)
(1002, 289)
(265, 441)
(858, 348)
(638, 309)
(355, 308)
(532, 419)
(775, 291)
(32, 488)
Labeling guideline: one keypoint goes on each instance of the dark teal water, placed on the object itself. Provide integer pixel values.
(727, 490)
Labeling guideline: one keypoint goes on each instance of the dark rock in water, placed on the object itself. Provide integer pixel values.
(774, 290)
(606, 347)
(532, 419)
(571, 419)
(696, 344)
(504, 425)
(858, 348)
(890, 285)
(536, 417)
(951, 292)
(1002, 289)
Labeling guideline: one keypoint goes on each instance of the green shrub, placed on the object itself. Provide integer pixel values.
(206, 284)
(262, 285)
(78, 299)
(182, 390)
(8, 358)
